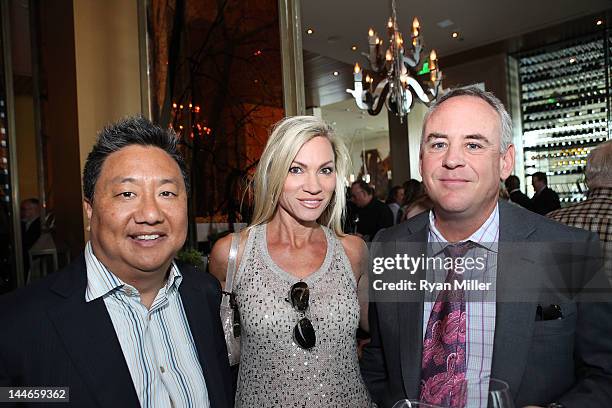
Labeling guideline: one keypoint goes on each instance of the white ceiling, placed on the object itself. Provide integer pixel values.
(338, 24)
(351, 123)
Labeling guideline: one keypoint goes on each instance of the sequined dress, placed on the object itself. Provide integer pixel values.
(276, 372)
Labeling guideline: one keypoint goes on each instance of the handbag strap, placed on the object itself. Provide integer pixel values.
(231, 267)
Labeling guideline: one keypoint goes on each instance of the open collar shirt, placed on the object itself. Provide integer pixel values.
(480, 304)
(157, 343)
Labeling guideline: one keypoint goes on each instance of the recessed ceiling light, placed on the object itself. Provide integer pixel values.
(336, 73)
(309, 31)
(599, 22)
(354, 48)
(572, 60)
(455, 34)
(445, 23)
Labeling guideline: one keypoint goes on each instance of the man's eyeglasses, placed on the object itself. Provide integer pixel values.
(303, 332)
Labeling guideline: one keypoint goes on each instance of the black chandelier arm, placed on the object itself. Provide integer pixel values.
(380, 102)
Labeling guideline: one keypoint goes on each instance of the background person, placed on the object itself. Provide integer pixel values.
(395, 200)
(413, 189)
(30, 229)
(418, 206)
(594, 214)
(298, 349)
(371, 214)
(545, 199)
(513, 185)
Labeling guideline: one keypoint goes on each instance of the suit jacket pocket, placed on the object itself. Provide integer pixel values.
(564, 326)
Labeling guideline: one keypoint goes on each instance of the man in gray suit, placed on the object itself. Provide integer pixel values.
(530, 321)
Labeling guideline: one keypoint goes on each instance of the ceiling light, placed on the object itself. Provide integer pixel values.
(309, 31)
(336, 73)
(445, 23)
(572, 60)
(599, 22)
(354, 48)
(455, 34)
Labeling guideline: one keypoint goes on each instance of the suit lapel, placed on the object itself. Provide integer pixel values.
(200, 317)
(410, 318)
(91, 342)
(514, 319)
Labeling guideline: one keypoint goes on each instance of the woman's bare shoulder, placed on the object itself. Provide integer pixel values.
(355, 248)
(217, 264)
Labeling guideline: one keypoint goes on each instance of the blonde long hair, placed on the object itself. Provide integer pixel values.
(287, 138)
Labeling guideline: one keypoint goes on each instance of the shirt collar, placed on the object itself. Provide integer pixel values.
(101, 281)
(486, 236)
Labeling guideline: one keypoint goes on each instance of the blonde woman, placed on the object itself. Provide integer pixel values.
(300, 280)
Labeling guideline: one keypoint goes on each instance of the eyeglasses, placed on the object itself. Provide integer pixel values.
(303, 332)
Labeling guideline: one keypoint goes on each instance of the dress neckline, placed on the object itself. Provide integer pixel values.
(314, 276)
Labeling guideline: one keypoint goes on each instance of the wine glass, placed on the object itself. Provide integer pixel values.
(498, 397)
(406, 403)
(499, 394)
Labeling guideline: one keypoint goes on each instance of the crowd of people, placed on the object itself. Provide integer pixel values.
(127, 325)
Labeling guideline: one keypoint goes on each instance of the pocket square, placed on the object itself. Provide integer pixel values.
(550, 312)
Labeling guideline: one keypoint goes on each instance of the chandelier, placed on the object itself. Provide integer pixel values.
(399, 71)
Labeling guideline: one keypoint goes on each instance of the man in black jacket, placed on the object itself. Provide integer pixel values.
(123, 325)
(513, 185)
(371, 214)
(530, 329)
(545, 199)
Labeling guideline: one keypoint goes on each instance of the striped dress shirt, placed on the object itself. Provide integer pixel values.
(157, 343)
(480, 305)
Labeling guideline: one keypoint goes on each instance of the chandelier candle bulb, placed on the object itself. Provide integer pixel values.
(415, 27)
(357, 73)
(432, 60)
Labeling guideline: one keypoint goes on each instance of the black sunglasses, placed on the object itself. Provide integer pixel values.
(303, 332)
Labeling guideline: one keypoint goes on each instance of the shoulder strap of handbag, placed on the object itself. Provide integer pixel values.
(231, 267)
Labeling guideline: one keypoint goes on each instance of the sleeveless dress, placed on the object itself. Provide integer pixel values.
(274, 370)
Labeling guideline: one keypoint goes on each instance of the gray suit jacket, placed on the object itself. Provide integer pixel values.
(567, 360)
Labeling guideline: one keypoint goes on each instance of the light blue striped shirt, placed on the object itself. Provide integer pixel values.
(157, 343)
(479, 305)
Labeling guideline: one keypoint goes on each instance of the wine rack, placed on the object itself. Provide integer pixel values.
(564, 95)
(5, 186)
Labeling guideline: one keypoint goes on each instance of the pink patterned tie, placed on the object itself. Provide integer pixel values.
(444, 364)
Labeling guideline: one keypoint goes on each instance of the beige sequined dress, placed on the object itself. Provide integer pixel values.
(276, 372)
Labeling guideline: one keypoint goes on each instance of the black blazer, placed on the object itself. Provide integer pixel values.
(567, 360)
(52, 337)
(521, 199)
(545, 202)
